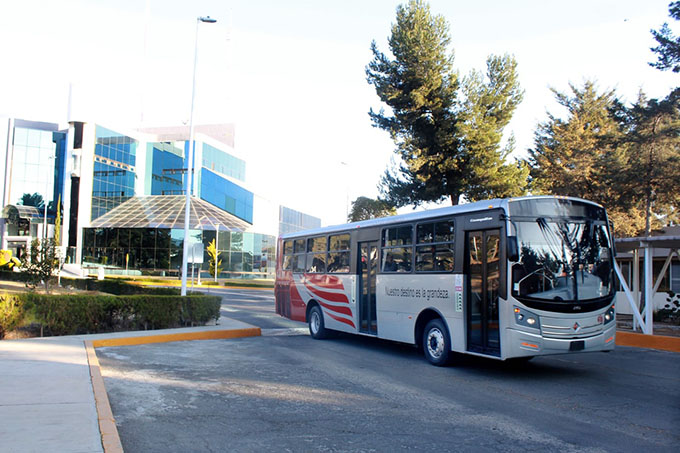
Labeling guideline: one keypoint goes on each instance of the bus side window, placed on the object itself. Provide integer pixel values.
(288, 255)
(316, 255)
(397, 249)
(434, 246)
(299, 256)
(338, 254)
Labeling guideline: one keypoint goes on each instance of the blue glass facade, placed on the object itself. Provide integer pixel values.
(114, 170)
(167, 175)
(226, 195)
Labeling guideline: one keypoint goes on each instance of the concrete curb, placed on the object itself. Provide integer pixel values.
(180, 336)
(638, 340)
(107, 424)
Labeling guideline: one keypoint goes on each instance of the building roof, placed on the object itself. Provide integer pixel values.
(167, 211)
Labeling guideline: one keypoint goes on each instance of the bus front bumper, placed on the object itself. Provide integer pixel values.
(522, 344)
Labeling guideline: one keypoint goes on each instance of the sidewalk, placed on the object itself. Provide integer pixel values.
(52, 396)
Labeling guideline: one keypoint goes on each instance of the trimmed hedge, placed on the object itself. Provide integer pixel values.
(111, 286)
(79, 314)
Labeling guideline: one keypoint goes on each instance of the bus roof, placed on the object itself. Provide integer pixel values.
(422, 215)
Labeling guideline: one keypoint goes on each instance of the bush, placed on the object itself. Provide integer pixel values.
(116, 286)
(79, 314)
(11, 313)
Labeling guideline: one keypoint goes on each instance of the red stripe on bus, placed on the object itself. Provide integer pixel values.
(346, 321)
(331, 297)
(325, 281)
(340, 309)
(298, 308)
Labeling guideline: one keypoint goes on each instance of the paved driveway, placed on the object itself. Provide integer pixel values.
(292, 393)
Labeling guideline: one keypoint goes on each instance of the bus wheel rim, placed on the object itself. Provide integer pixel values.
(435, 343)
(315, 322)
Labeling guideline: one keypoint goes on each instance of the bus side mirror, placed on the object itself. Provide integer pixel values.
(513, 248)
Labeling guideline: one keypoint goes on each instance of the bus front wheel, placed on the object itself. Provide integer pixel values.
(316, 326)
(436, 343)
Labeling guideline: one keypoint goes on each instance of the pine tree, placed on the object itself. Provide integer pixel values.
(487, 109)
(668, 49)
(653, 159)
(419, 86)
(444, 150)
(584, 155)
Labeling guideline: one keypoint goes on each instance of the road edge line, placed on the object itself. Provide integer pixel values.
(638, 340)
(107, 424)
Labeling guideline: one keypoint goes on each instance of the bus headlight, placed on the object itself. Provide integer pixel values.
(526, 318)
(610, 314)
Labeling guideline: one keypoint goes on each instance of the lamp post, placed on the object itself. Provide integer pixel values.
(190, 159)
(217, 245)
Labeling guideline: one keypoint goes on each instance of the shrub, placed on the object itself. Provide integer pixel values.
(11, 313)
(79, 314)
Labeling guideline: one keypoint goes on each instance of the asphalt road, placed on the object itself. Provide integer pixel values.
(293, 393)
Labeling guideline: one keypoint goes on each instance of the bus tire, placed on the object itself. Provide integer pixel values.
(436, 343)
(316, 325)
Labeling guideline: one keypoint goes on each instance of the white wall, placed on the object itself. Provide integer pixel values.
(623, 306)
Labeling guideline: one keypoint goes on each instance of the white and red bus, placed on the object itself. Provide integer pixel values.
(511, 278)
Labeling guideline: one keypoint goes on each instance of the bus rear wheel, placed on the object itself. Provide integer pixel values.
(316, 326)
(436, 343)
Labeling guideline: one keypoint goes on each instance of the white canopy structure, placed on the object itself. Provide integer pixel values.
(646, 246)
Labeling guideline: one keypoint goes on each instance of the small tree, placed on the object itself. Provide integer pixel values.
(40, 263)
(34, 199)
(213, 258)
(364, 208)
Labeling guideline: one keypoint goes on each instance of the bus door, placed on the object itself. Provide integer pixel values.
(482, 267)
(368, 270)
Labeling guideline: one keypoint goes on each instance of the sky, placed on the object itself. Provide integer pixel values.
(291, 75)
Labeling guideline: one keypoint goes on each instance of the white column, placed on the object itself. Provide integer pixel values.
(649, 295)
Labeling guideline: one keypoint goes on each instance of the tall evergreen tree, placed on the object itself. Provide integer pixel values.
(653, 160)
(419, 86)
(429, 122)
(488, 107)
(583, 155)
(668, 48)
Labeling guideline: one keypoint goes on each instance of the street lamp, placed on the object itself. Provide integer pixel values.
(190, 159)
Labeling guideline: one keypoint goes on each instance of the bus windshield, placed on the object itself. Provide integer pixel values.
(563, 260)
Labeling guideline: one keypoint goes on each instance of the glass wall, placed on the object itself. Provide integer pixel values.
(223, 163)
(33, 165)
(291, 221)
(114, 170)
(226, 195)
(155, 251)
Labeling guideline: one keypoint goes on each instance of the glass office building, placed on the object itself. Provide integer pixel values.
(123, 195)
